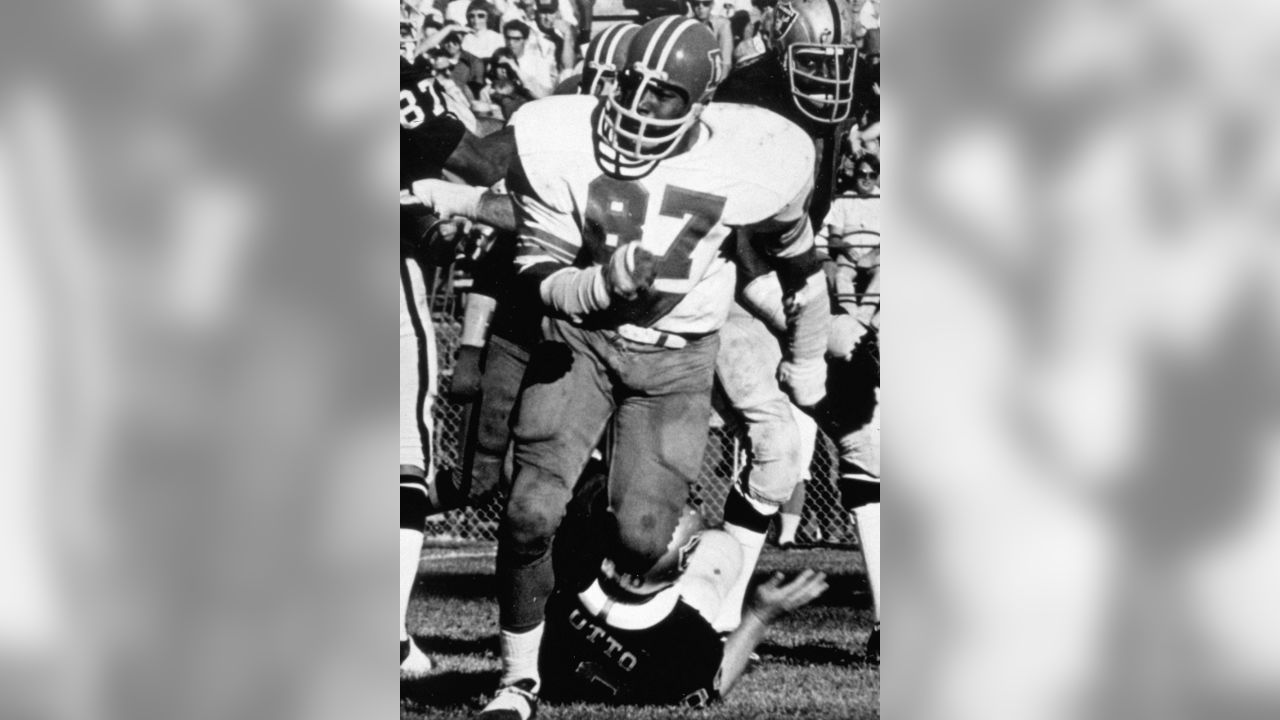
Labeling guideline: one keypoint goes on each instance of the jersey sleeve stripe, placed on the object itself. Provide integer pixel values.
(549, 244)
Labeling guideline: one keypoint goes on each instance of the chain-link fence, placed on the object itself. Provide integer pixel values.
(823, 520)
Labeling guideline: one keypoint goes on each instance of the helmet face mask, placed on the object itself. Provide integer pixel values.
(821, 80)
(670, 57)
(815, 44)
(646, 136)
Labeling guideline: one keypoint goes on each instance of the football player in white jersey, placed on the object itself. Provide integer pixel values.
(633, 212)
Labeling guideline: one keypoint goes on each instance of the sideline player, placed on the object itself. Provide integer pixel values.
(430, 142)
(624, 208)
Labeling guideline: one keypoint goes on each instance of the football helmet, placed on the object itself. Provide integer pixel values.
(814, 41)
(674, 52)
(605, 54)
(669, 567)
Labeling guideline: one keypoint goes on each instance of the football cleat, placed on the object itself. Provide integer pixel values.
(414, 663)
(517, 701)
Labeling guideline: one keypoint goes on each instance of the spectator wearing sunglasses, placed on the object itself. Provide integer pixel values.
(700, 10)
(481, 41)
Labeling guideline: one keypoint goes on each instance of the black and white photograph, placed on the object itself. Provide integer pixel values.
(639, 364)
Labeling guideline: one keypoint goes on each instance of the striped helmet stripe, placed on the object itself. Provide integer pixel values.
(608, 44)
(671, 42)
(835, 22)
(660, 39)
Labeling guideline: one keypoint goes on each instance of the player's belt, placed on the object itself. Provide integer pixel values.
(648, 336)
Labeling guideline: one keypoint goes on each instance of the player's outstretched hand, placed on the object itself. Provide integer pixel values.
(773, 599)
(631, 271)
(448, 199)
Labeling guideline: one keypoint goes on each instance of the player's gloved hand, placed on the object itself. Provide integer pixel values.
(804, 381)
(773, 599)
(846, 333)
(448, 199)
(630, 272)
(467, 370)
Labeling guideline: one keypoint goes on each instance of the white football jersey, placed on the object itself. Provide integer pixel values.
(750, 168)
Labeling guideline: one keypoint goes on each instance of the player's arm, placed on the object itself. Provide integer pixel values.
(482, 161)
(550, 241)
(771, 601)
(486, 206)
(784, 244)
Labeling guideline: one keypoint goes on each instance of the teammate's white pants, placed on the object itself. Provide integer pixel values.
(746, 371)
(418, 368)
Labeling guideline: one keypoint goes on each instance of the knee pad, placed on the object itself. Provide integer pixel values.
(775, 452)
(859, 492)
(414, 503)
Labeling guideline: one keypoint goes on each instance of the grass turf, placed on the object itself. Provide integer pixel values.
(811, 664)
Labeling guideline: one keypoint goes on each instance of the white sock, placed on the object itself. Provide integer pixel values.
(520, 656)
(410, 557)
(730, 616)
(867, 520)
(790, 524)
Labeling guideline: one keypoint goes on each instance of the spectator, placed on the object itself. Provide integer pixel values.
(503, 92)
(458, 10)
(482, 40)
(748, 45)
(536, 72)
(868, 31)
(700, 10)
(468, 70)
(527, 11)
(457, 100)
(555, 36)
(866, 98)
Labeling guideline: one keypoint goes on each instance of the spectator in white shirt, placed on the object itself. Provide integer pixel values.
(700, 10)
(537, 72)
(481, 41)
(556, 37)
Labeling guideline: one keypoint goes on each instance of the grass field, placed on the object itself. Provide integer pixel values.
(811, 664)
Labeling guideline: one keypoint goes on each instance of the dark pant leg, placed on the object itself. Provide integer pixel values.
(660, 438)
(486, 449)
(563, 408)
